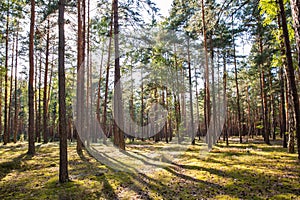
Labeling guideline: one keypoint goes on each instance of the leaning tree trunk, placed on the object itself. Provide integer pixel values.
(99, 87)
(291, 73)
(283, 118)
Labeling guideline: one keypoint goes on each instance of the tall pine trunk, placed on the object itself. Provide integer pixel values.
(31, 147)
(191, 92)
(283, 124)
(6, 134)
(225, 128)
(118, 102)
(63, 145)
(206, 82)
(239, 120)
(10, 124)
(295, 6)
(45, 105)
(291, 73)
(104, 118)
(80, 75)
(16, 89)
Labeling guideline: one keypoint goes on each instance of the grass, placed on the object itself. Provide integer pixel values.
(240, 171)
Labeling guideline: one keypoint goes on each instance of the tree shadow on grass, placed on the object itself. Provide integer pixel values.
(14, 164)
(243, 184)
(155, 184)
(248, 184)
(124, 178)
(107, 190)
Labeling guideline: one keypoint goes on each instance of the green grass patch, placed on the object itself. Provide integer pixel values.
(240, 171)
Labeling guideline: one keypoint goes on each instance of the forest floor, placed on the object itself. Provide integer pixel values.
(241, 171)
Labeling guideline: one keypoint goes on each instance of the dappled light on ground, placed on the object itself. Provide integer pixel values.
(240, 171)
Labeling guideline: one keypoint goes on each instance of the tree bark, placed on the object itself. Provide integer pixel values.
(104, 118)
(16, 84)
(191, 92)
(291, 74)
(283, 118)
(237, 87)
(6, 134)
(9, 128)
(80, 76)
(225, 129)
(119, 107)
(295, 6)
(206, 82)
(31, 147)
(45, 105)
(63, 145)
(282, 109)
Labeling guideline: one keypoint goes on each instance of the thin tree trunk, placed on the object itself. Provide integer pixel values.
(191, 92)
(36, 132)
(16, 94)
(49, 93)
(99, 87)
(283, 127)
(282, 109)
(206, 83)
(142, 103)
(225, 129)
(1, 92)
(214, 109)
(272, 108)
(45, 107)
(31, 147)
(88, 81)
(80, 78)
(249, 113)
(39, 107)
(104, 119)
(264, 98)
(237, 87)
(119, 107)
(9, 128)
(176, 100)
(197, 105)
(6, 134)
(165, 102)
(63, 145)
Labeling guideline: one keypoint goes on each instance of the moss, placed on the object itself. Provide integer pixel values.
(240, 171)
